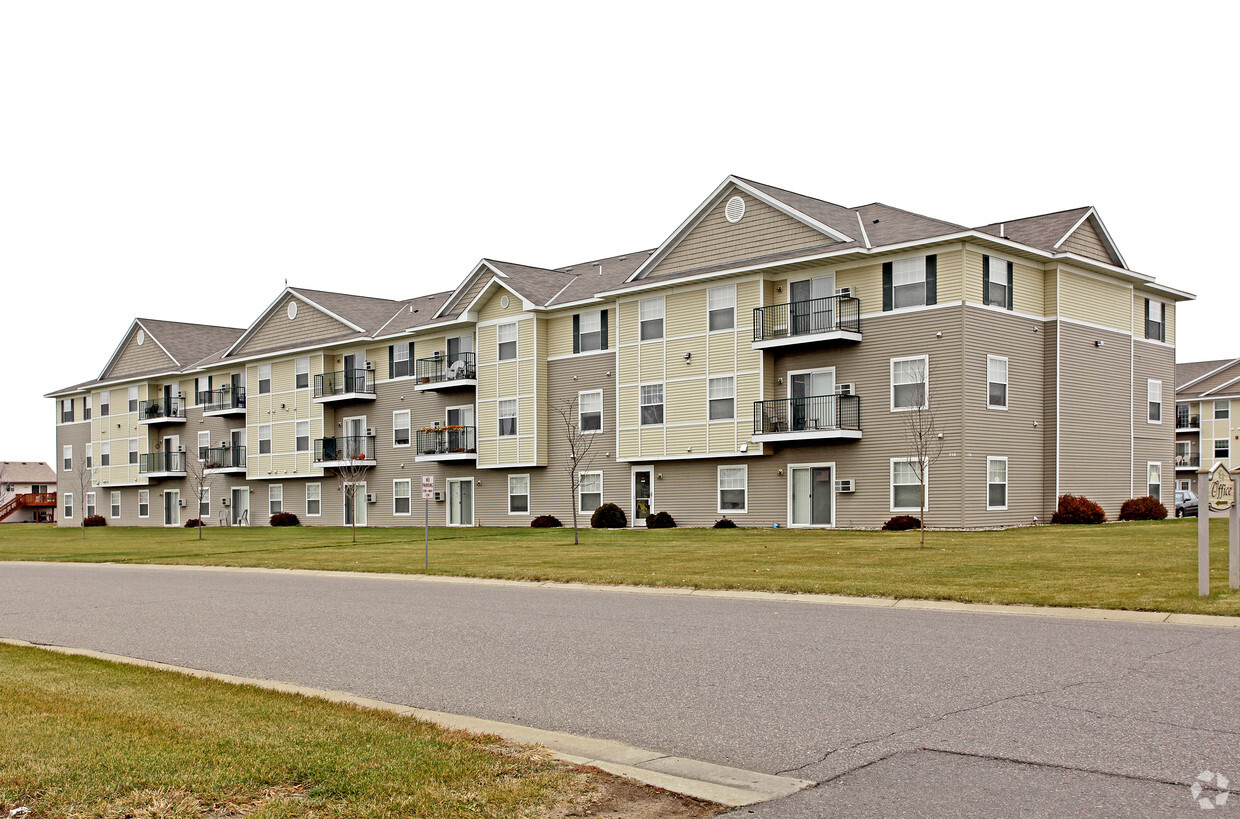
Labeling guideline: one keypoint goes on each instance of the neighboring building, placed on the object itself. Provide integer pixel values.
(1207, 399)
(760, 364)
(27, 492)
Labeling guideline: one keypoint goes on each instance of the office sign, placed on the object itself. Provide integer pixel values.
(1222, 489)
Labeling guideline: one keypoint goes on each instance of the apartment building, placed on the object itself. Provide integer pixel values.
(762, 363)
(1207, 397)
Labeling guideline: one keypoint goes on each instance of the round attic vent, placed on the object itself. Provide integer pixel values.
(503, 302)
(292, 310)
(141, 337)
(734, 210)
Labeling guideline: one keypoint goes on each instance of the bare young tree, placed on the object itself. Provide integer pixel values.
(580, 444)
(83, 482)
(199, 480)
(348, 476)
(923, 439)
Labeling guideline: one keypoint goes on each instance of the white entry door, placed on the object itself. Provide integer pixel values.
(811, 311)
(460, 501)
(356, 508)
(812, 495)
(172, 507)
(241, 506)
(643, 494)
(814, 402)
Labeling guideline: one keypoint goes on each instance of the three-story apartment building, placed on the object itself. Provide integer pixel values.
(761, 363)
(1207, 400)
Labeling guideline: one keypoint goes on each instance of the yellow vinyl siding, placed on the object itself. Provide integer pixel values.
(1138, 315)
(143, 358)
(1051, 296)
(279, 331)
(866, 283)
(950, 277)
(560, 334)
(1095, 301)
(1028, 284)
(491, 309)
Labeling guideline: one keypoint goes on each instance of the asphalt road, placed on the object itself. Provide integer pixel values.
(894, 712)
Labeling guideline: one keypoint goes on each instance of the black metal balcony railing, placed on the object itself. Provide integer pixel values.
(344, 382)
(344, 448)
(225, 398)
(462, 366)
(225, 457)
(66, 416)
(1185, 420)
(161, 408)
(800, 318)
(161, 462)
(447, 440)
(810, 414)
(1191, 461)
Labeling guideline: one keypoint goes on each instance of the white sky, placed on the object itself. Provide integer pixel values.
(178, 161)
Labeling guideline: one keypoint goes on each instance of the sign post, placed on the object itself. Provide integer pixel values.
(428, 494)
(1216, 492)
(1233, 552)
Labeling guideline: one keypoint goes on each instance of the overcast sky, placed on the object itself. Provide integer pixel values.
(180, 161)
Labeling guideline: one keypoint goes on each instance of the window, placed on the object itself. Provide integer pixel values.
(314, 503)
(66, 410)
(588, 331)
(115, 504)
(144, 503)
(1222, 449)
(302, 432)
(721, 396)
(650, 316)
(1153, 393)
(401, 496)
(908, 282)
(90, 455)
(996, 484)
(275, 498)
(202, 390)
(264, 439)
(133, 399)
(997, 275)
(1222, 410)
(302, 372)
(204, 445)
(87, 405)
(400, 428)
(204, 503)
(68, 457)
(905, 488)
(721, 307)
(518, 494)
(264, 379)
(1154, 479)
(590, 491)
(508, 416)
(133, 450)
(105, 453)
(590, 411)
(105, 403)
(996, 382)
(68, 505)
(400, 356)
(733, 488)
(90, 504)
(507, 337)
(651, 404)
(909, 379)
(1155, 327)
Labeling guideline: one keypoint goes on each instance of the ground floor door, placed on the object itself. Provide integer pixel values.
(355, 507)
(460, 501)
(643, 494)
(241, 506)
(812, 495)
(172, 507)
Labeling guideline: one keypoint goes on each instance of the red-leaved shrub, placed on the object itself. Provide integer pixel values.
(901, 523)
(1079, 509)
(1145, 508)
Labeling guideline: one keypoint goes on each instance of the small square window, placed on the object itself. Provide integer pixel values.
(909, 382)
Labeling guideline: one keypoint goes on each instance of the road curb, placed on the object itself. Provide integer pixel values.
(721, 784)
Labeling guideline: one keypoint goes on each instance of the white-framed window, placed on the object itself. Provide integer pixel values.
(115, 499)
(67, 455)
(301, 431)
(910, 381)
(999, 282)
(506, 336)
(996, 483)
(314, 500)
(1154, 328)
(301, 369)
(144, 503)
(87, 407)
(400, 428)
(402, 494)
(401, 360)
(996, 382)
(590, 411)
(90, 455)
(721, 397)
(264, 379)
(1153, 395)
(1153, 470)
(202, 390)
(905, 488)
(733, 488)
(90, 504)
(264, 439)
(721, 307)
(204, 444)
(908, 282)
(589, 491)
(275, 498)
(105, 403)
(204, 503)
(650, 314)
(105, 453)
(133, 399)
(651, 404)
(66, 410)
(518, 494)
(1222, 449)
(1222, 410)
(68, 508)
(590, 331)
(507, 416)
(133, 450)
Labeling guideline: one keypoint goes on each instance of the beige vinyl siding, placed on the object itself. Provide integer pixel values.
(492, 310)
(1094, 300)
(950, 276)
(282, 408)
(866, 283)
(140, 358)
(559, 332)
(75, 435)
(520, 379)
(1028, 284)
(1050, 300)
(278, 331)
(475, 287)
(1085, 241)
(1153, 442)
(1138, 315)
(1050, 418)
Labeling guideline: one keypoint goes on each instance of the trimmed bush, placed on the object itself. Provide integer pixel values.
(901, 523)
(1078, 509)
(95, 520)
(660, 520)
(1146, 508)
(285, 519)
(608, 516)
(194, 523)
(545, 522)
(724, 523)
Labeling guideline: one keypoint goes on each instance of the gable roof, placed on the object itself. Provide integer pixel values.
(182, 342)
(1191, 372)
(27, 472)
(361, 315)
(1049, 231)
(1212, 378)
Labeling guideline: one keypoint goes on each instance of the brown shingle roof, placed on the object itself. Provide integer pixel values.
(1192, 370)
(188, 343)
(27, 472)
(1041, 231)
(368, 312)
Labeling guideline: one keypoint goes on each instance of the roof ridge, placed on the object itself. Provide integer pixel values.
(1039, 215)
(190, 323)
(794, 193)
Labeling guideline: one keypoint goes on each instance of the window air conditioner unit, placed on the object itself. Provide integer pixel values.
(180, 449)
(845, 486)
(223, 501)
(370, 365)
(371, 497)
(439, 354)
(182, 501)
(370, 431)
(438, 495)
(846, 389)
(846, 292)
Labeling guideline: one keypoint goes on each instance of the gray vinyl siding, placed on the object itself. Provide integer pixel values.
(1050, 418)
(1153, 442)
(76, 435)
(140, 358)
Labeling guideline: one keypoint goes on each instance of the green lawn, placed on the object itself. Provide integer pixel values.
(1151, 566)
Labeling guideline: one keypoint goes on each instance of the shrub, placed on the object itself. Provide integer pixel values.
(660, 520)
(95, 520)
(1146, 508)
(194, 523)
(725, 523)
(545, 522)
(1079, 509)
(608, 516)
(901, 523)
(285, 519)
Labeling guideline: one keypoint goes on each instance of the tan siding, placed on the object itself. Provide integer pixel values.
(950, 276)
(1092, 300)
(278, 331)
(1050, 392)
(140, 358)
(1086, 242)
(1153, 442)
(1051, 297)
(473, 290)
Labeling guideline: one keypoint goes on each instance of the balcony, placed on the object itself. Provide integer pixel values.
(162, 465)
(161, 411)
(223, 460)
(1192, 461)
(814, 418)
(454, 443)
(446, 372)
(344, 385)
(224, 401)
(813, 321)
(1185, 421)
(344, 451)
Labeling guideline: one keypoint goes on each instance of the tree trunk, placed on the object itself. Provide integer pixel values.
(574, 502)
(922, 520)
(353, 517)
(200, 527)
